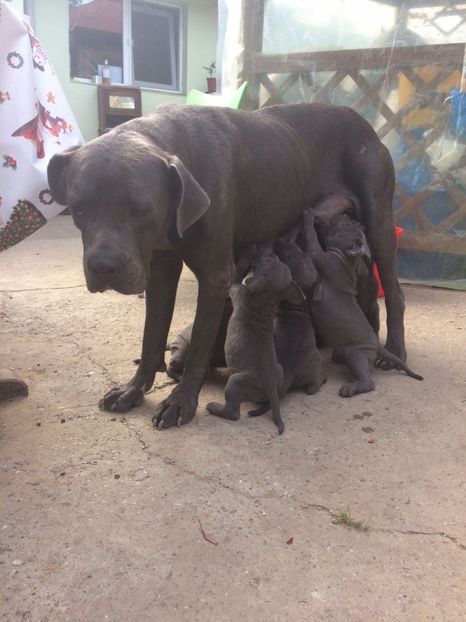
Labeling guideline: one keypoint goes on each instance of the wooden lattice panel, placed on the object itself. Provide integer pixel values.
(407, 87)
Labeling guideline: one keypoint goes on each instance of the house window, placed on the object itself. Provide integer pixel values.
(140, 40)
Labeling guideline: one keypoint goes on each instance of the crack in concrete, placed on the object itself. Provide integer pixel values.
(413, 532)
(273, 495)
(39, 289)
(103, 369)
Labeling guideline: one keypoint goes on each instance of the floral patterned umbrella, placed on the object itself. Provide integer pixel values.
(35, 123)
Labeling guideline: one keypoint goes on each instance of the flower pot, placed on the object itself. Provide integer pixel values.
(211, 85)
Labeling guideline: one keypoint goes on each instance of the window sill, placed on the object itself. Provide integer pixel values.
(86, 82)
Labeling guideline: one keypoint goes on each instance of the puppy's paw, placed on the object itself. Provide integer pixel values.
(353, 388)
(347, 390)
(384, 364)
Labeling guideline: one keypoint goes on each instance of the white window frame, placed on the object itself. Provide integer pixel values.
(163, 10)
(127, 44)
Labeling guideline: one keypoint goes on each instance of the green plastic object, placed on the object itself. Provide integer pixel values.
(233, 100)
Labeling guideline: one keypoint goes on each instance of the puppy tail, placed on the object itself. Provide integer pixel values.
(275, 404)
(385, 354)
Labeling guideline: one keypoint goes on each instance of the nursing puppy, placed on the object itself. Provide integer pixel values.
(336, 314)
(294, 337)
(249, 345)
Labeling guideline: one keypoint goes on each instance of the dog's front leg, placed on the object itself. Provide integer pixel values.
(161, 289)
(180, 407)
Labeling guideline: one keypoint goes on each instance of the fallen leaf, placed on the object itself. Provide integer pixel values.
(204, 535)
(290, 541)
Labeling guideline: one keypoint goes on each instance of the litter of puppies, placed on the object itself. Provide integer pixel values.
(315, 282)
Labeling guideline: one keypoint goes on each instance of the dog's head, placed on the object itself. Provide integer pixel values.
(128, 198)
(347, 236)
(271, 280)
(300, 264)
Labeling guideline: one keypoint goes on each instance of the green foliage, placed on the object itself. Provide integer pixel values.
(345, 518)
(210, 68)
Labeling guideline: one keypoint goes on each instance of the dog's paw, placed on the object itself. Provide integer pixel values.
(383, 364)
(221, 410)
(348, 390)
(353, 388)
(175, 410)
(121, 399)
(399, 351)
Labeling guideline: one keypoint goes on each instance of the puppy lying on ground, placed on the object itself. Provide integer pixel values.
(180, 344)
(334, 309)
(249, 345)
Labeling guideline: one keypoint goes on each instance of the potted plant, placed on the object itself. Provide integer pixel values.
(211, 80)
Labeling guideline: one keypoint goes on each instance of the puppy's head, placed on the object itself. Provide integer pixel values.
(270, 276)
(346, 236)
(128, 198)
(300, 264)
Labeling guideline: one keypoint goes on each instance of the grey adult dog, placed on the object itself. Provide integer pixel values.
(335, 312)
(249, 345)
(198, 185)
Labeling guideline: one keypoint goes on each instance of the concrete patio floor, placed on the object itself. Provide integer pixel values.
(104, 518)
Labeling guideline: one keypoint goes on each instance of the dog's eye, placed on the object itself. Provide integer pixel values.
(78, 210)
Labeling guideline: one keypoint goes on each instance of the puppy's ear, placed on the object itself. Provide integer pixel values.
(294, 294)
(191, 200)
(56, 173)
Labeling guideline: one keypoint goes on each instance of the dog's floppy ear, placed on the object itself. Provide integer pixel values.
(191, 200)
(56, 173)
(294, 294)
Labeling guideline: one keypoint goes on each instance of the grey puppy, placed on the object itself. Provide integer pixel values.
(179, 346)
(197, 185)
(327, 208)
(335, 311)
(294, 337)
(295, 340)
(249, 345)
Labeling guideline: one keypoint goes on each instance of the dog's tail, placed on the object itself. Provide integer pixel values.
(385, 354)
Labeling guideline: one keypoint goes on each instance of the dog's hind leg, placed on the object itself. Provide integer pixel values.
(237, 390)
(385, 257)
(371, 176)
(271, 382)
(359, 364)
